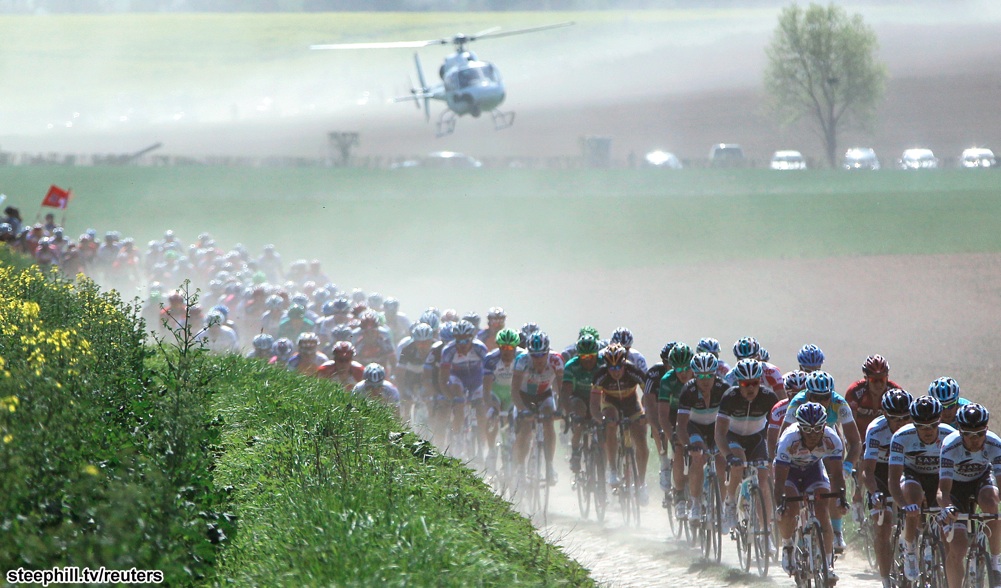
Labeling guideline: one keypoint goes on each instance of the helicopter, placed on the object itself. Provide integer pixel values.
(468, 85)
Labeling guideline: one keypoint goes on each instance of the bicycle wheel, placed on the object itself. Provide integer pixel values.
(741, 534)
(634, 475)
(818, 557)
(759, 531)
(581, 482)
(596, 480)
(934, 563)
(716, 519)
(867, 538)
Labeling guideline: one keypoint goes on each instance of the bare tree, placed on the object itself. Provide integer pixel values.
(822, 66)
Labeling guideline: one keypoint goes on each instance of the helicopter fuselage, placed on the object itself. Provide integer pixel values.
(470, 86)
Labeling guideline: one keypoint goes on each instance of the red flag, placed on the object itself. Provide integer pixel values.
(57, 197)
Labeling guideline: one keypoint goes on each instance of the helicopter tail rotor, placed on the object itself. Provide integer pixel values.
(424, 88)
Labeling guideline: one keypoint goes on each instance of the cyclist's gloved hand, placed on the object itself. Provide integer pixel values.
(849, 468)
(912, 508)
(949, 514)
(734, 461)
(877, 499)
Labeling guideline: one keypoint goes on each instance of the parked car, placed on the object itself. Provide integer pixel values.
(727, 155)
(977, 157)
(918, 159)
(787, 160)
(441, 160)
(664, 159)
(858, 158)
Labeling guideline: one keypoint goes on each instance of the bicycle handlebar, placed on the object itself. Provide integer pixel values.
(969, 518)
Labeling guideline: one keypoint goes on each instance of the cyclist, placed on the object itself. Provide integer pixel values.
(373, 343)
(679, 359)
(308, 359)
(807, 461)
(410, 367)
(397, 322)
(535, 375)
(295, 323)
(496, 318)
(710, 345)
(865, 395)
(914, 469)
(771, 376)
(498, 371)
(526, 330)
(698, 404)
(820, 389)
(441, 406)
(970, 466)
(749, 348)
(571, 349)
(375, 387)
(651, 387)
(281, 352)
(575, 391)
(460, 375)
(614, 395)
(810, 358)
(624, 337)
(342, 368)
(948, 393)
(262, 344)
(741, 425)
(895, 405)
(793, 382)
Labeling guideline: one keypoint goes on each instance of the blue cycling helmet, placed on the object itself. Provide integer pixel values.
(810, 356)
(374, 373)
(463, 328)
(704, 363)
(748, 369)
(328, 308)
(811, 414)
(708, 345)
(431, 319)
(422, 332)
(763, 354)
(342, 305)
(820, 383)
(340, 333)
(623, 336)
(746, 347)
(946, 390)
(446, 334)
(263, 342)
(391, 305)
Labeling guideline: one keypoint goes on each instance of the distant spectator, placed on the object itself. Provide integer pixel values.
(13, 218)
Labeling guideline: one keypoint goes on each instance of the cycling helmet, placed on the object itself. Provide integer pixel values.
(820, 383)
(445, 334)
(897, 402)
(422, 332)
(946, 390)
(391, 305)
(307, 341)
(925, 410)
(359, 308)
(472, 318)
(704, 363)
(328, 308)
(263, 342)
(665, 351)
(681, 357)
(343, 350)
(623, 336)
(214, 319)
(588, 330)
(358, 295)
(794, 381)
(746, 347)
(300, 299)
(875, 364)
(342, 305)
(297, 311)
(811, 414)
(368, 319)
(431, 319)
(374, 373)
(321, 295)
(538, 342)
(450, 315)
(175, 298)
(526, 330)
(495, 312)
(283, 348)
(274, 302)
(615, 354)
(463, 328)
(587, 345)
(763, 354)
(433, 310)
(340, 333)
(507, 337)
(375, 300)
(748, 369)
(708, 345)
(810, 356)
(972, 416)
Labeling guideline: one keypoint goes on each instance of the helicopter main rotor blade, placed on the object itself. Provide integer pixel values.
(490, 34)
(387, 45)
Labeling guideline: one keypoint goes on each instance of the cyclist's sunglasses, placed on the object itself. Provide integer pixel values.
(459, 341)
(539, 354)
(705, 376)
(880, 378)
(896, 418)
(616, 367)
(811, 429)
(810, 397)
(749, 383)
(925, 425)
(507, 347)
(588, 356)
(974, 434)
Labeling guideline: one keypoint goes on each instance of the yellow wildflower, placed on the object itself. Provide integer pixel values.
(91, 469)
(8, 438)
(9, 403)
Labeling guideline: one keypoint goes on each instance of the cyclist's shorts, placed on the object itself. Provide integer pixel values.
(964, 494)
(928, 482)
(705, 434)
(628, 407)
(882, 474)
(576, 401)
(755, 446)
(502, 394)
(535, 402)
(584, 395)
(471, 395)
(812, 478)
(673, 417)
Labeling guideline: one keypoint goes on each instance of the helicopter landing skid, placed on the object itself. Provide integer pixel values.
(502, 120)
(446, 124)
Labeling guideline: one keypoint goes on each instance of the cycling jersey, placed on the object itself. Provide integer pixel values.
(348, 374)
(865, 409)
(374, 345)
(624, 387)
(747, 418)
(877, 441)
(538, 383)
(568, 353)
(637, 359)
(838, 412)
(467, 367)
(653, 376)
(580, 378)
(692, 402)
(778, 414)
(916, 456)
(670, 388)
(961, 402)
(771, 377)
(965, 466)
(383, 391)
(307, 365)
(502, 374)
(410, 367)
(793, 453)
(432, 365)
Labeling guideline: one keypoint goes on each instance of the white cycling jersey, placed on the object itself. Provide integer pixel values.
(908, 450)
(965, 466)
(793, 453)
(536, 383)
(638, 359)
(877, 440)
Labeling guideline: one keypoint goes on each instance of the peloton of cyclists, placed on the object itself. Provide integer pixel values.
(536, 373)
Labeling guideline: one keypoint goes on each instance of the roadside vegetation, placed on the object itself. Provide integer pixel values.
(122, 452)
